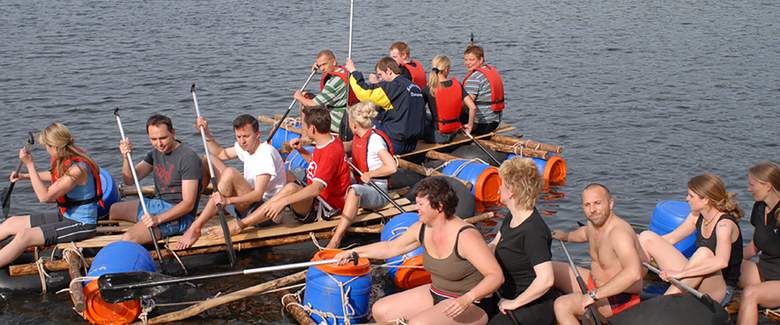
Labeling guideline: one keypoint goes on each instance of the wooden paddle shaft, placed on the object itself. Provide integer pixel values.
(527, 143)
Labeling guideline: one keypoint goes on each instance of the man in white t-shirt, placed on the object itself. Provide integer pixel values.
(263, 176)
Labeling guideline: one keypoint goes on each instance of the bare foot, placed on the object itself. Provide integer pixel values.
(188, 238)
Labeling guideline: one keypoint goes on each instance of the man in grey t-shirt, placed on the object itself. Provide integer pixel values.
(178, 172)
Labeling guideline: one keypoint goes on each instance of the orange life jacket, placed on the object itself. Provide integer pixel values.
(418, 73)
(63, 202)
(449, 105)
(352, 100)
(496, 87)
(360, 149)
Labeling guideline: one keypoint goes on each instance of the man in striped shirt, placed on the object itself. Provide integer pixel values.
(479, 87)
(333, 91)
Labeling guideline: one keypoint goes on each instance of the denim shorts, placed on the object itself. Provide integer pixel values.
(170, 228)
(369, 197)
(727, 298)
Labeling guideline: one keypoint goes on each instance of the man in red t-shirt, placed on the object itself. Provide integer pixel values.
(327, 175)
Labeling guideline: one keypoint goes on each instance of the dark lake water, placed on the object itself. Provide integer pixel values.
(643, 95)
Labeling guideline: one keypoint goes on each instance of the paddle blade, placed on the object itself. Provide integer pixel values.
(6, 197)
(118, 287)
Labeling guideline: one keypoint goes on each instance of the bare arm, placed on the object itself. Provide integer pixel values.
(749, 251)
(261, 184)
(580, 235)
(493, 243)
(189, 194)
(724, 231)
(473, 248)
(388, 166)
(539, 286)
(629, 259)
(469, 101)
(683, 230)
(74, 175)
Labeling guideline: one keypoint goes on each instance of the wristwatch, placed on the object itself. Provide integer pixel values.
(592, 294)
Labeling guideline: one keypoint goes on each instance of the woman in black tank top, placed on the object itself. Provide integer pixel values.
(761, 282)
(714, 266)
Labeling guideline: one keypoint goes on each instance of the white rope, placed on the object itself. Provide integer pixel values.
(517, 148)
(315, 241)
(175, 256)
(42, 275)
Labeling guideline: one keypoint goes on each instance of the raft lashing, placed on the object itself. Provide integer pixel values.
(117, 257)
(552, 169)
(110, 193)
(335, 293)
(667, 216)
(402, 268)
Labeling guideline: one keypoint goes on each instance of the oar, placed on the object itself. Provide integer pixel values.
(138, 188)
(584, 288)
(289, 108)
(7, 192)
(349, 45)
(222, 222)
(490, 155)
(116, 287)
(377, 188)
(676, 282)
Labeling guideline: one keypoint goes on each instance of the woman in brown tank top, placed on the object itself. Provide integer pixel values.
(463, 269)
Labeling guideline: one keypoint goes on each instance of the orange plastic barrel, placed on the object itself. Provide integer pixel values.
(97, 311)
(409, 277)
(363, 266)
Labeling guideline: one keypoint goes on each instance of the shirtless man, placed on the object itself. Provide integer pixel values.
(615, 278)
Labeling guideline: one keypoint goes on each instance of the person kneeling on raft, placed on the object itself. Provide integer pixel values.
(462, 268)
(75, 187)
(372, 154)
(262, 178)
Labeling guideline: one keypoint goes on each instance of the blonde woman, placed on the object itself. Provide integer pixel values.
(445, 99)
(761, 281)
(75, 188)
(372, 154)
(714, 267)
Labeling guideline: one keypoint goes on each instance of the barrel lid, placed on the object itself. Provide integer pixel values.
(363, 266)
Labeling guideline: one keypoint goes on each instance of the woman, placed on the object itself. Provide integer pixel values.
(462, 268)
(445, 98)
(522, 248)
(372, 154)
(761, 282)
(75, 187)
(714, 266)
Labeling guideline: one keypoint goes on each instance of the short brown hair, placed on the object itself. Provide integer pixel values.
(523, 180)
(387, 63)
(328, 53)
(319, 117)
(476, 50)
(157, 120)
(401, 47)
(439, 193)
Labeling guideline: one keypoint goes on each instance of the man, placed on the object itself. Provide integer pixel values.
(484, 85)
(615, 278)
(262, 178)
(178, 172)
(401, 103)
(327, 176)
(333, 91)
(410, 69)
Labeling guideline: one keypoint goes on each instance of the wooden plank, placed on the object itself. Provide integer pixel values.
(526, 152)
(528, 143)
(76, 288)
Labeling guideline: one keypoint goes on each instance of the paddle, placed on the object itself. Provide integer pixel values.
(493, 158)
(6, 204)
(349, 45)
(676, 282)
(222, 222)
(138, 187)
(289, 108)
(116, 287)
(584, 288)
(377, 188)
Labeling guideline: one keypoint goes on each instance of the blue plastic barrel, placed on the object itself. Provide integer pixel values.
(281, 136)
(121, 256)
(295, 160)
(392, 230)
(483, 177)
(324, 291)
(667, 216)
(110, 193)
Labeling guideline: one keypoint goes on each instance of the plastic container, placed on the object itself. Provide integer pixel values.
(553, 169)
(282, 135)
(295, 161)
(405, 278)
(110, 193)
(667, 216)
(323, 292)
(484, 178)
(117, 257)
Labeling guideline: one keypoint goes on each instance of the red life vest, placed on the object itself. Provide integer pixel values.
(344, 75)
(63, 202)
(496, 87)
(418, 73)
(360, 149)
(449, 105)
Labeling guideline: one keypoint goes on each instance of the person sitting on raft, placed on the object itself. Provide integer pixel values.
(484, 85)
(445, 98)
(372, 154)
(410, 69)
(75, 187)
(522, 248)
(178, 174)
(462, 268)
(263, 176)
(615, 278)
(327, 177)
(333, 92)
(715, 265)
(761, 282)
(402, 113)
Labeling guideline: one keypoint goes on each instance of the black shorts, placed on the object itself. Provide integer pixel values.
(540, 311)
(57, 229)
(248, 210)
(309, 216)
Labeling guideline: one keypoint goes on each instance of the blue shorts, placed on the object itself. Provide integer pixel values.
(170, 228)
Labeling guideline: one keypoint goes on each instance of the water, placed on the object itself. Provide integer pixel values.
(642, 94)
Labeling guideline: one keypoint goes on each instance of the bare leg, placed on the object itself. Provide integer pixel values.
(351, 203)
(565, 280)
(125, 211)
(23, 239)
(716, 289)
(749, 275)
(764, 294)
(568, 309)
(436, 315)
(663, 252)
(403, 305)
(140, 234)
(14, 225)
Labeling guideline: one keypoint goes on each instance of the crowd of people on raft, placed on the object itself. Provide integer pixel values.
(510, 280)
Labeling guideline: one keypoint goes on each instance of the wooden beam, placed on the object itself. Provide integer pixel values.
(526, 143)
